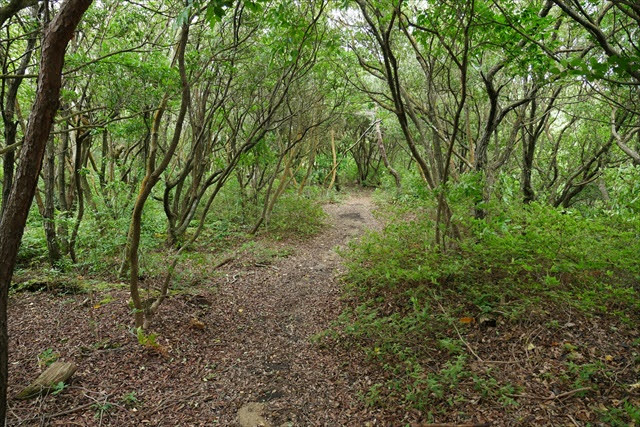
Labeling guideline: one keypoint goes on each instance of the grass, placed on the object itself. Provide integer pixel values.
(527, 266)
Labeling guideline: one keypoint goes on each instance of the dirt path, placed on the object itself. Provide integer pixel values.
(234, 350)
(272, 372)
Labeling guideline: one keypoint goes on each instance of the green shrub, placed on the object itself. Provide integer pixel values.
(405, 295)
(293, 214)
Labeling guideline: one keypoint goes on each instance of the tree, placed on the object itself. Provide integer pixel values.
(56, 37)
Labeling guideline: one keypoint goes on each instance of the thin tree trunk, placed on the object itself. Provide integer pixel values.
(311, 160)
(383, 153)
(11, 126)
(79, 196)
(267, 195)
(287, 177)
(334, 158)
(152, 176)
(63, 229)
(48, 215)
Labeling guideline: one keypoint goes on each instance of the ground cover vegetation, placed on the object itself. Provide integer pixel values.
(170, 147)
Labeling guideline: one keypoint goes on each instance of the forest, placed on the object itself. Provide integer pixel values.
(320, 212)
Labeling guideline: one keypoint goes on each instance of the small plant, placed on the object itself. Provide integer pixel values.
(584, 374)
(505, 394)
(297, 215)
(451, 345)
(150, 341)
(147, 340)
(130, 399)
(47, 357)
(57, 389)
(101, 409)
(625, 415)
(105, 344)
(372, 397)
(107, 300)
(553, 324)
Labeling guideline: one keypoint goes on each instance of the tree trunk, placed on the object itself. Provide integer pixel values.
(63, 205)
(48, 215)
(383, 153)
(14, 217)
(79, 196)
(152, 176)
(528, 151)
(11, 126)
(311, 160)
(334, 170)
(265, 205)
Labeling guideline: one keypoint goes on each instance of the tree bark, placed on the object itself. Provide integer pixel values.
(56, 37)
(13, 7)
(56, 373)
(63, 202)
(48, 214)
(334, 160)
(383, 153)
(152, 176)
(528, 152)
(11, 126)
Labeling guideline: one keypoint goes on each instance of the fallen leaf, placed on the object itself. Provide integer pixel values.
(467, 320)
(197, 324)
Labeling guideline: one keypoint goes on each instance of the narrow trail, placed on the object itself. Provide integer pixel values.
(272, 374)
(247, 361)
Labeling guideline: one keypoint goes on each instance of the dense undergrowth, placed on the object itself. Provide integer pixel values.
(512, 289)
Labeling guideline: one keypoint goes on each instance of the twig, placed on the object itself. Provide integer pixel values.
(15, 415)
(165, 404)
(102, 411)
(575, 423)
(554, 397)
(58, 414)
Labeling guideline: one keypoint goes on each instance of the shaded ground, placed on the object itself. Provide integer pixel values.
(240, 343)
(236, 349)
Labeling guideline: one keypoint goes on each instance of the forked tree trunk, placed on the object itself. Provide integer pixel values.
(143, 314)
(14, 217)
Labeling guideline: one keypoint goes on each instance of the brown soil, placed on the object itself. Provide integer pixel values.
(238, 352)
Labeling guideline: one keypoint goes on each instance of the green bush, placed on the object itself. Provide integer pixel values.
(293, 214)
(405, 293)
